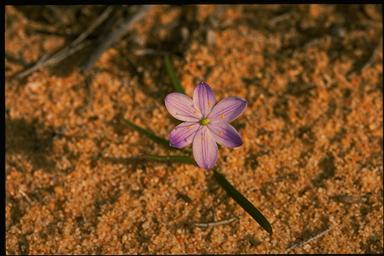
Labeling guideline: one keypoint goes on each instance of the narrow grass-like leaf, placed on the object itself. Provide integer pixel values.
(226, 185)
(172, 74)
(242, 201)
(143, 159)
(148, 134)
(175, 159)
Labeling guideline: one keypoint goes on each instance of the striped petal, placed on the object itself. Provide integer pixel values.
(225, 134)
(181, 107)
(203, 98)
(204, 148)
(183, 134)
(227, 109)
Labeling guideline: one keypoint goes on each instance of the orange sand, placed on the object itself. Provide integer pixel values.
(313, 142)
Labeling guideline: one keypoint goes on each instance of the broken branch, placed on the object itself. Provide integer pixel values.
(106, 41)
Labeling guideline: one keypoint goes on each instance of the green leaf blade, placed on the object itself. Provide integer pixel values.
(174, 159)
(243, 202)
(148, 134)
(172, 74)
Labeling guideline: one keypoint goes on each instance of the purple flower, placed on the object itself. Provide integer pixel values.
(205, 123)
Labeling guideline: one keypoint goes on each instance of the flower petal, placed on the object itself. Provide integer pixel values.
(227, 109)
(183, 134)
(181, 107)
(203, 98)
(204, 148)
(225, 134)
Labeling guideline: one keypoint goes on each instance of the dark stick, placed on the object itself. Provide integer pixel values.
(45, 60)
(40, 63)
(89, 92)
(67, 50)
(106, 41)
(94, 25)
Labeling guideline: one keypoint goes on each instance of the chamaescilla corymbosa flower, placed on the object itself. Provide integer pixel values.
(205, 123)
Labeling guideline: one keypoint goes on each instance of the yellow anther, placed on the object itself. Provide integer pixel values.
(204, 121)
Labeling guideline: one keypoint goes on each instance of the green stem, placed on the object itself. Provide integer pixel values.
(226, 185)
(177, 159)
(149, 134)
(242, 201)
(172, 74)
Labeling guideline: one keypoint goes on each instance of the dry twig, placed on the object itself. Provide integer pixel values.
(45, 60)
(279, 18)
(94, 25)
(65, 52)
(318, 235)
(106, 41)
(215, 223)
(25, 196)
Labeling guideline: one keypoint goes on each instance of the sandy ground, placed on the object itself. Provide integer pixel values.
(313, 142)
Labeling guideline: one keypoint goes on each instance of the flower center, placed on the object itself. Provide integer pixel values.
(204, 121)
